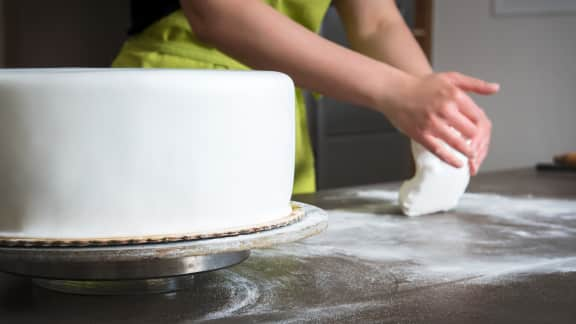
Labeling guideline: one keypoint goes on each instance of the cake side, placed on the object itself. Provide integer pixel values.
(119, 153)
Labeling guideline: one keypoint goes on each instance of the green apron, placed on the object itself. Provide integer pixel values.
(170, 43)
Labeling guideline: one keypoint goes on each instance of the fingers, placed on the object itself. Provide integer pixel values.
(474, 163)
(460, 129)
(472, 167)
(439, 149)
(457, 130)
(482, 126)
(482, 149)
(453, 138)
(468, 108)
(449, 119)
(459, 121)
(470, 84)
(456, 125)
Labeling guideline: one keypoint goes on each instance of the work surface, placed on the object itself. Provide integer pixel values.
(506, 254)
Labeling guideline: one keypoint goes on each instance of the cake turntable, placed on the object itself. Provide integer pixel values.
(154, 266)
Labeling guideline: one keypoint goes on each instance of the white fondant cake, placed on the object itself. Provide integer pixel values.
(106, 153)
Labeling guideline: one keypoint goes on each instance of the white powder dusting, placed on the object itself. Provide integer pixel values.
(490, 235)
(371, 253)
(243, 292)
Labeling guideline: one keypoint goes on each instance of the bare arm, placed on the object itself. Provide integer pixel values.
(377, 29)
(262, 38)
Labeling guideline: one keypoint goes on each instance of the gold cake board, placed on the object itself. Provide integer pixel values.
(295, 215)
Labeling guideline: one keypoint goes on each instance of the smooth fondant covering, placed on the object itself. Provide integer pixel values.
(104, 153)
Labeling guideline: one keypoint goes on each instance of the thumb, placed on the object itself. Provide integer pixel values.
(470, 84)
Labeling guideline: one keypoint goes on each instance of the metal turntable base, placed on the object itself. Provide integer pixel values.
(147, 268)
(118, 287)
(147, 285)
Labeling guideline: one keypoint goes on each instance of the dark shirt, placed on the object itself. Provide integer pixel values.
(144, 13)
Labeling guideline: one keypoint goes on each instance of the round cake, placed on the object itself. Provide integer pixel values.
(131, 153)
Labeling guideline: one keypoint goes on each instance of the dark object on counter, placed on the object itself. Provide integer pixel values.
(564, 162)
(568, 159)
(554, 167)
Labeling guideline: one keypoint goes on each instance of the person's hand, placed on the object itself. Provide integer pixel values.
(436, 109)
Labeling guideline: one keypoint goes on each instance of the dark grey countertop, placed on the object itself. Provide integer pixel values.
(507, 254)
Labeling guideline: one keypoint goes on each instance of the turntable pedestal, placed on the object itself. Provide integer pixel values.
(147, 268)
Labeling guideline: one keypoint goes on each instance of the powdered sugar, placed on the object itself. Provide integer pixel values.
(373, 257)
(485, 235)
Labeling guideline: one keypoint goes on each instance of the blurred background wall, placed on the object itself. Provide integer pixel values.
(533, 57)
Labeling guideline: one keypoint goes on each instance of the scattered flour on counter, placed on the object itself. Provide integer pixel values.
(487, 235)
(370, 254)
(496, 205)
(242, 291)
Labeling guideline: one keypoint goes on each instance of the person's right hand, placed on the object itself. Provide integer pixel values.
(435, 109)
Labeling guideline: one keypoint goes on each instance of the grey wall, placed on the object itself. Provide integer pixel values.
(62, 32)
(534, 58)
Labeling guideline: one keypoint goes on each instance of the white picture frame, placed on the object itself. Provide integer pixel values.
(533, 7)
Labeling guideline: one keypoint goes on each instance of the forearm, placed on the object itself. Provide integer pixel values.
(268, 40)
(377, 29)
(395, 45)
